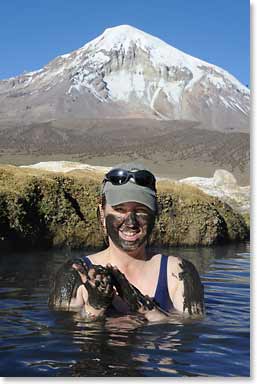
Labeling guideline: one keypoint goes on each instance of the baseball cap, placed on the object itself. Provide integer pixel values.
(130, 191)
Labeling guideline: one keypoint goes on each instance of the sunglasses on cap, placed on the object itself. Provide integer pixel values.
(120, 176)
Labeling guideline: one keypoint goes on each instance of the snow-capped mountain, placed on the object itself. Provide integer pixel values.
(127, 73)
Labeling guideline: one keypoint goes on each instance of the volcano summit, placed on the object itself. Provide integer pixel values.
(125, 86)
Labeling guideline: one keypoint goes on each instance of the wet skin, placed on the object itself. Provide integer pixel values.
(100, 283)
(129, 226)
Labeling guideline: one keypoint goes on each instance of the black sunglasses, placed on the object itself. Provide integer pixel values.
(120, 176)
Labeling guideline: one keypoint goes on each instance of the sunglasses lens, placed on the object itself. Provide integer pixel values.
(145, 179)
(117, 176)
(121, 176)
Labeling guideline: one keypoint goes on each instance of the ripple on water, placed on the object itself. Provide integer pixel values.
(39, 342)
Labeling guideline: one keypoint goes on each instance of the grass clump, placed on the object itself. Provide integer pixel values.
(46, 209)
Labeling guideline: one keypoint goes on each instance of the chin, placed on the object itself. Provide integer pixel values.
(130, 246)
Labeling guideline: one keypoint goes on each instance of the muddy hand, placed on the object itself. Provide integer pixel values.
(98, 283)
(81, 267)
(99, 286)
(128, 292)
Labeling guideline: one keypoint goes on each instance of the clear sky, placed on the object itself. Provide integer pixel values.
(33, 32)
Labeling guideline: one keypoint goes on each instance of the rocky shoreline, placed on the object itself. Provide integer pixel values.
(43, 209)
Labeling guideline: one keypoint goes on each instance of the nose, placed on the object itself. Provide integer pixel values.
(131, 220)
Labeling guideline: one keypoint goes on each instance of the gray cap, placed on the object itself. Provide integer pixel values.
(118, 194)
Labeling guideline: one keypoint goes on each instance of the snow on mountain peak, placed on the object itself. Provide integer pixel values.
(120, 35)
(124, 37)
(125, 64)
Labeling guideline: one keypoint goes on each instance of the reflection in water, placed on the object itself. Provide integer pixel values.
(39, 342)
(107, 354)
(29, 270)
(128, 346)
(203, 257)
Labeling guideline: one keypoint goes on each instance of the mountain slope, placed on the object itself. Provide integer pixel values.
(127, 73)
(128, 95)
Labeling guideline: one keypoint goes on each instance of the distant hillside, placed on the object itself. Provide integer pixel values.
(173, 149)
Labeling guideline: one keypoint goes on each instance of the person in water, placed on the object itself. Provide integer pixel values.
(126, 275)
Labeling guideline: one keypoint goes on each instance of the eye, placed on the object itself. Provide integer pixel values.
(119, 209)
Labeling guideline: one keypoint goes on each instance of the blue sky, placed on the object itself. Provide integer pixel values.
(33, 32)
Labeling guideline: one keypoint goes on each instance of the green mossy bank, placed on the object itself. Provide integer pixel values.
(45, 209)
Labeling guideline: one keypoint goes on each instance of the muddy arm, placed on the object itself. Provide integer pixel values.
(63, 286)
(185, 288)
(136, 301)
(77, 286)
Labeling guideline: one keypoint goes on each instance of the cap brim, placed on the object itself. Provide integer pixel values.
(130, 192)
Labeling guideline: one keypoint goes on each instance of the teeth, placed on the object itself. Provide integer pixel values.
(129, 234)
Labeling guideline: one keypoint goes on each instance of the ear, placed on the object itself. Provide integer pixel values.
(102, 216)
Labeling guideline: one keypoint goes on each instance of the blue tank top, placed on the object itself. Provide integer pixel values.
(161, 297)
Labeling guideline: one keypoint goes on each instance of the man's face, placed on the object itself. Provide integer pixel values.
(129, 224)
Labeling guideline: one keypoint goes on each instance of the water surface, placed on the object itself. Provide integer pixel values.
(38, 342)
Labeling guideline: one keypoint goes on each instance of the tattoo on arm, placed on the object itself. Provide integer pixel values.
(193, 289)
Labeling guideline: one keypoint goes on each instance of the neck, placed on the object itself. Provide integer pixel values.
(124, 260)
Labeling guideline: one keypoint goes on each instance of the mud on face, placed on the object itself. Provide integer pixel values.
(129, 230)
